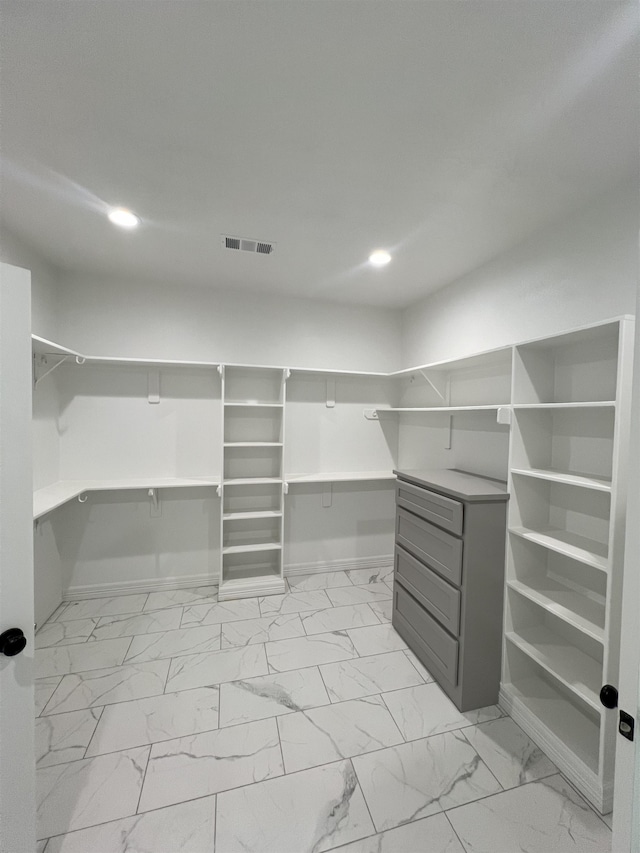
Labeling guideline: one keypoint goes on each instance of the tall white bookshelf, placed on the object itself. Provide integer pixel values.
(568, 453)
(252, 488)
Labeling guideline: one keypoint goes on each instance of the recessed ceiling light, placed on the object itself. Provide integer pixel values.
(379, 258)
(123, 218)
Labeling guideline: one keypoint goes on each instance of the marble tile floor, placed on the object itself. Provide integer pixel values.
(296, 723)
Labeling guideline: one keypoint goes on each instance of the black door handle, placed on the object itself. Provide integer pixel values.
(609, 696)
(12, 642)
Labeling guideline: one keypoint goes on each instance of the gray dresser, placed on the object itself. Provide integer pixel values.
(449, 579)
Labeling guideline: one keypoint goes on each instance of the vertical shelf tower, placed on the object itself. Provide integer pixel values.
(565, 546)
(252, 488)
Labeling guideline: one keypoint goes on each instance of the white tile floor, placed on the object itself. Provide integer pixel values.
(296, 723)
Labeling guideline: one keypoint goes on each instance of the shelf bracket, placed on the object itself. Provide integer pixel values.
(439, 383)
(504, 415)
(286, 373)
(331, 393)
(155, 503)
(285, 487)
(154, 386)
(221, 369)
(327, 496)
(219, 491)
(41, 362)
(448, 440)
(82, 498)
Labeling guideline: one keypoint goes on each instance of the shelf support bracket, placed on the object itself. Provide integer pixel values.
(219, 491)
(439, 383)
(155, 503)
(154, 386)
(285, 487)
(331, 393)
(43, 360)
(448, 441)
(504, 415)
(327, 496)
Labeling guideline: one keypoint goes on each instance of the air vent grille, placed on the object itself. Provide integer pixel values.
(244, 244)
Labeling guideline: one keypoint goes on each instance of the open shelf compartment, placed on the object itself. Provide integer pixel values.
(253, 385)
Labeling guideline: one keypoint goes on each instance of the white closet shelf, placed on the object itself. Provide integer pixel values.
(570, 544)
(587, 404)
(246, 404)
(581, 674)
(251, 481)
(50, 497)
(246, 549)
(339, 477)
(573, 729)
(601, 484)
(42, 346)
(239, 516)
(584, 613)
(501, 356)
(253, 444)
(445, 410)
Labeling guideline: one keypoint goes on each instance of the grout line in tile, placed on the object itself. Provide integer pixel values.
(453, 829)
(93, 733)
(366, 802)
(481, 759)
(144, 778)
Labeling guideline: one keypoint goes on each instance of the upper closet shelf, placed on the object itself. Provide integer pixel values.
(50, 497)
(600, 484)
(339, 477)
(501, 356)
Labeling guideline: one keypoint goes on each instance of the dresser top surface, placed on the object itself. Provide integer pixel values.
(457, 484)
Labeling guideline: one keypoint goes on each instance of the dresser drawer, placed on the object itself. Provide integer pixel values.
(439, 550)
(433, 645)
(428, 588)
(445, 512)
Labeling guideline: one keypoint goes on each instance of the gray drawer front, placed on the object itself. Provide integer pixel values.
(440, 599)
(439, 550)
(434, 641)
(444, 512)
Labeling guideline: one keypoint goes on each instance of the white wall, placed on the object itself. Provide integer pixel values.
(44, 280)
(138, 319)
(575, 272)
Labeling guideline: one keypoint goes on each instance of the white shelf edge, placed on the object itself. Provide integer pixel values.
(241, 516)
(236, 404)
(593, 404)
(444, 410)
(585, 693)
(567, 479)
(547, 540)
(248, 549)
(43, 346)
(253, 444)
(339, 477)
(563, 612)
(251, 481)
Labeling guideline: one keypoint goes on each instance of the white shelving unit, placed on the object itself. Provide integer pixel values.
(252, 518)
(568, 453)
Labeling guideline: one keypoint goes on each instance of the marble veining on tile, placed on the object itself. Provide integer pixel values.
(376, 639)
(366, 676)
(422, 670)
(307, 812)
(144, 721)
(202, 670)
(271, 696)
(144, 623)
(339, 618)
(547, 816)
(363, 594)
(64, 633)
(361, 577)
(309, 651)
(508, 753)
(425, 710)
(44, 689)
(423, 777)
(62, 660)
(225, 611)
(332, 732)
(181, 597)
(249, 631)
(64, 737)
(382, 609)
(321, 580)
(105, 686)
(294, 602)
(104, 606)
(168, 644)
(202, 764)
(94, 790)
(185, 828)
(429, 835)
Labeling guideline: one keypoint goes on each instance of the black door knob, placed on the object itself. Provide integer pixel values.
(12, 642)
(609, 696)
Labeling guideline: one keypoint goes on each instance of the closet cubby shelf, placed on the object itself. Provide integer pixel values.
(581, 674)
(55, 495)
(250, 481)
(599, 483)
(570, 544)
(246, 549)
(253, 444)
(244, 404)
(585, 614)
(251, 514)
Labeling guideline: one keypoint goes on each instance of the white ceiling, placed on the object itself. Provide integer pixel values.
(444, 131)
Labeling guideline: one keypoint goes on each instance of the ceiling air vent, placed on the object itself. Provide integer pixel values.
(243, 244)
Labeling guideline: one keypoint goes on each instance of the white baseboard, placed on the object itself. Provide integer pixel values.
(106, 590)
